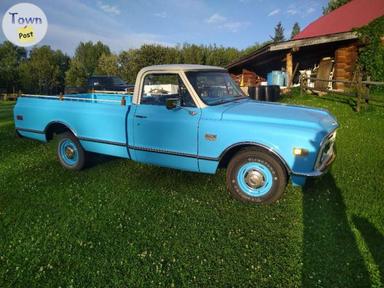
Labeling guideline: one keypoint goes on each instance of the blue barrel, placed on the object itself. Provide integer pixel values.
(276, 78)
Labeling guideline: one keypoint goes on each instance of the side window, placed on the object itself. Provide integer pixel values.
(158, 88)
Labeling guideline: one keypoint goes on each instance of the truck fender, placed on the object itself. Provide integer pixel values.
(57, 127)
(230, 151)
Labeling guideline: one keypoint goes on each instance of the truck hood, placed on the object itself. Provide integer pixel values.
(281, 114)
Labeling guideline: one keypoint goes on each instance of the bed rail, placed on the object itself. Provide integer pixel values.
(62, 97)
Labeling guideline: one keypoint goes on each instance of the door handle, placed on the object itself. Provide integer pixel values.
(140, 116)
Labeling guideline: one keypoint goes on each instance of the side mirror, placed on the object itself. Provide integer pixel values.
(172, 103)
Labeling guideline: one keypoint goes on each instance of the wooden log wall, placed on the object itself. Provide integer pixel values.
(345, 62)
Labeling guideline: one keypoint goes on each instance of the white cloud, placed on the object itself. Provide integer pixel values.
(274, 12)
(66, 31)
(223, 22)
(216, 18)
(235, 26)
(292, 11)
(161, 14)
(68, 38)
(111, 9)
(310, 10)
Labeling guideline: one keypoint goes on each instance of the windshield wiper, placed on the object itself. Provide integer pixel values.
(228, 101)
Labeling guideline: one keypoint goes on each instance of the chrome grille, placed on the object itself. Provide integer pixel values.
(326, 150)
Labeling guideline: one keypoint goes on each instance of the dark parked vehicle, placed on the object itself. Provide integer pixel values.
(108, 83)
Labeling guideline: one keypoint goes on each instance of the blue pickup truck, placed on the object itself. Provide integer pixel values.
(193, 118)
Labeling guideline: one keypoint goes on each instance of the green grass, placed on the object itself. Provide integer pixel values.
(119, 223)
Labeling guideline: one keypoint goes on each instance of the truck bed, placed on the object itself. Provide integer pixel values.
(97, 119)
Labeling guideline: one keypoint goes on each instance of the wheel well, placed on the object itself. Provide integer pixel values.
(228, 155)
(55, 128)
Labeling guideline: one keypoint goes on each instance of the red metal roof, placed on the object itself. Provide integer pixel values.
(354, 14)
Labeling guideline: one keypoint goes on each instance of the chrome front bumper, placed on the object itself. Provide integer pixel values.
(321, 170)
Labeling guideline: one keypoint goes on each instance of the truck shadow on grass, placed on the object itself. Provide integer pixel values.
(331, 257)
(374, 241)
(94, 160)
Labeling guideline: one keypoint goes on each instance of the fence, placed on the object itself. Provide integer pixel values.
(9, 96)
(360, 87)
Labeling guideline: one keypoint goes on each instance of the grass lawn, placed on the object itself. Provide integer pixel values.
(119, 223)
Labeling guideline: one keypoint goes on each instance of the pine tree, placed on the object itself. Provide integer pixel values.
(279, 33)
(295, 30)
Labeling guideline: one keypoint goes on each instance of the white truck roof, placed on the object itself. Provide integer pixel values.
(180, 67)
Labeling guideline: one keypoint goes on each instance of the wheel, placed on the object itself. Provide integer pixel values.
(70, 152)
(256, 177)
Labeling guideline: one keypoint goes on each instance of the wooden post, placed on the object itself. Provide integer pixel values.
(367, 86)
(293, 74)
(301, 86)
(359, 89)
(288, 68)
(302, 79)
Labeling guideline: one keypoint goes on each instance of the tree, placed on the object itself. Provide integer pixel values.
(295, 30)
(43, 72)
(10, 58)
(128, 67)
(62, 60)
(193, 54)
(85, 61)
(219, 55)
(131, 61)
(107, 65)
(255, 47)
(279, 33)
(334, 4)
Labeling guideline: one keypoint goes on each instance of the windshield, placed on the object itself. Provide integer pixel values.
(215, 87)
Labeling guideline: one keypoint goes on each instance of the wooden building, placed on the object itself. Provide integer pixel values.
(328, 41)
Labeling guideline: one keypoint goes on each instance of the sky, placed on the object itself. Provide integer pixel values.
(124, 24)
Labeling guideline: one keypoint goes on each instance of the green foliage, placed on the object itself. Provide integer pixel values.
(85, 61)
(131, 61)
(279, 33)
(295, 30)
(10, 58)
(334, 4)
(96, 58)
(107, 65)
(254, 47)
(76, 75)
(371, 57)
(220, 56)
(43, 71)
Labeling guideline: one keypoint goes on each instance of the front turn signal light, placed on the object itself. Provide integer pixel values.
(300, 152)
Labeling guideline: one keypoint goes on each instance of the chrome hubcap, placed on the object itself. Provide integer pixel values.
(69, 152)
(254, 179)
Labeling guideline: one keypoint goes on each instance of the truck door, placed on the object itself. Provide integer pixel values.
(161, 136)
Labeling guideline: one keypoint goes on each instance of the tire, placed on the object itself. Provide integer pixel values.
(70, 152)
(267, 182)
